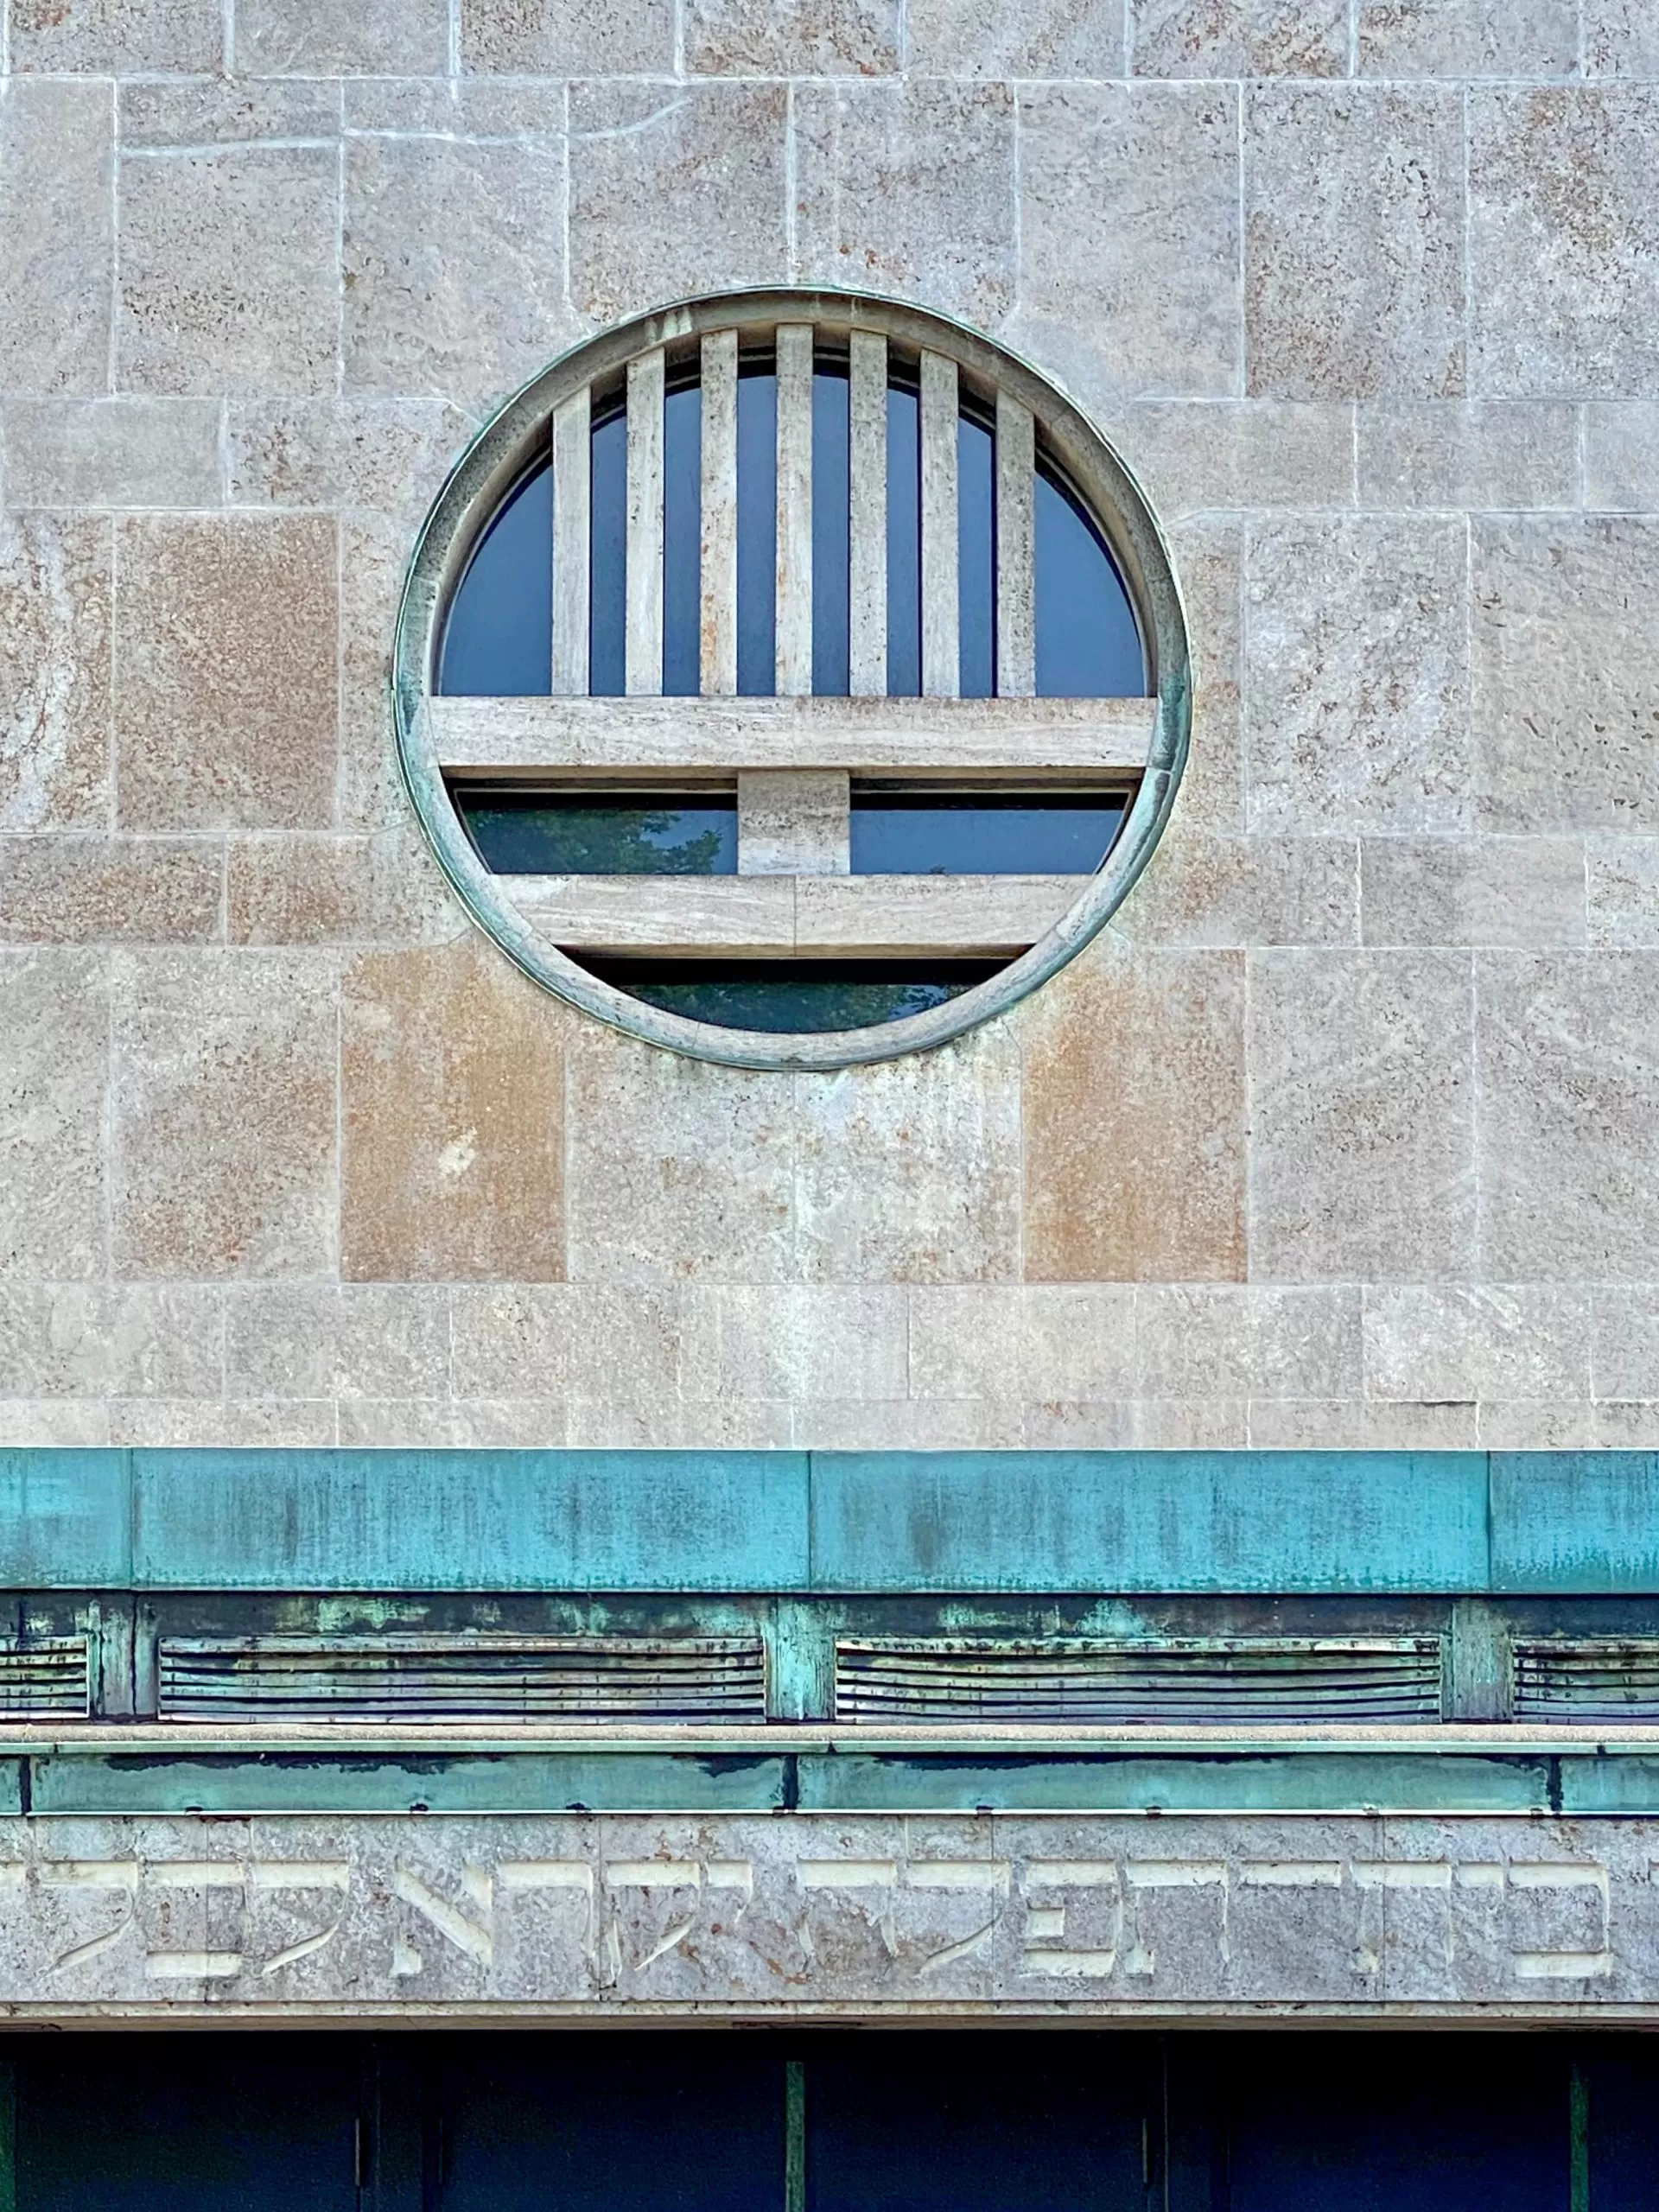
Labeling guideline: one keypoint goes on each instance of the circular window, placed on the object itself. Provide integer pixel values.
(792, 679)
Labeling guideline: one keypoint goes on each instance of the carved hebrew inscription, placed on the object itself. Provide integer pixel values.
(753, 1914)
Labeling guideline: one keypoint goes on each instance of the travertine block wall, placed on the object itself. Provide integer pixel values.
(1344, 1135)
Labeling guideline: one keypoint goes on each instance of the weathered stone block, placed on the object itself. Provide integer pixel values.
(224, 1069)
(86, 1339)
(452, 1104)
(1202, 456)
(454, 262)
(1239, 38)
(1565, 673)
(319, 38)
(54, 672)
(54, 1015)
(1210, 561)
(1624, 1341)
(909, 188)
(326, 890)
(784, 1343)
(1621, 454)
(1622, 891)
(117, 37)
(229, 268)
(226, 664)
(673, 191)
(1134, 1119)
(1354, 285)
(1363, 1159)
(1569, 1066)
(1240, 1341)
(1448, 453)
(573, 38)
(321, 1340)
(1048, 1344)
(792, 38)
(1476, 891)
(1621, 39)
(56, 234)
(1505, 1342)
(1244, 891)
(1041, 38)
(513, 1341)
(388, 455)
(100, 890)
(1116, 180)
(1563, 280)
(111, 453)
(1356, 643)
(1468, 38)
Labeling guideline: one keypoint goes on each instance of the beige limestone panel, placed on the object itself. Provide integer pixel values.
(1468, 38)
(1363, 1156)
(1621, 38)
(1041, 38)
(1210, 562)
(388, 455)
(1565, 673)
(1525, 891)
(299, 889)
(117, 37)
(453, 1120)
(673, 191)
(1621, 454)
(1201, 890)
(1622, 891)
(1535, 1424)
(910, 1171)
(1128, 239)
(726, 915)
(226, 690)
(325, 1340)
(373, 562)
(453, 253)
(1191, 1425)
(320, 38)
(1134, 1118)
(906, 1425)
(56, 234)
(677, 1169)
(223, 1161)
(944, 915)
(111, 453)
(585, 1341)
(1239, 38)
(1627, 1427)
(94, 1340)
(229, 268)
(451, 1424)
(575, 38)
(473, 108)
(1202, 456)
(1238, 1340)
(1354, 283)
(161, 115)
(54, 1017)
(1624, 1341)
(91, 889)
(37, 1422)
(1568, 1067)
(54, 672)
(733, 1425)
(1563, 274)
(223, 1424)
(909, 188)
(1507, 1342)
(1356, 646)
(1020, 1343)
(1480, 454)
(1350, 1425)
(793, 1341)
(792, 38)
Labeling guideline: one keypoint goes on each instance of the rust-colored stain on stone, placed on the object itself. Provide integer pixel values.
(453, 1075)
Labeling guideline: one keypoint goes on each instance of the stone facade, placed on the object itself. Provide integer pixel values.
(1341, 1136)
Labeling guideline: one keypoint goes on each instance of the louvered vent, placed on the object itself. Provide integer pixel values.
(1371, 1679)
(462, 1678)
(1596, 1679)
(43, 1677)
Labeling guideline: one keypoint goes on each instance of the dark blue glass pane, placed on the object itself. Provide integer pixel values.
(794, 996)
(1088, 647)
(904, 544)
(831, 523)
(665, 834)
(757, 532)
(681, 541)
(608, 629)
(905, 833)
(498, 641)
(975, 588)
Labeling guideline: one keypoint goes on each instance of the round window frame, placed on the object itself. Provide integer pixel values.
(507, 446)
